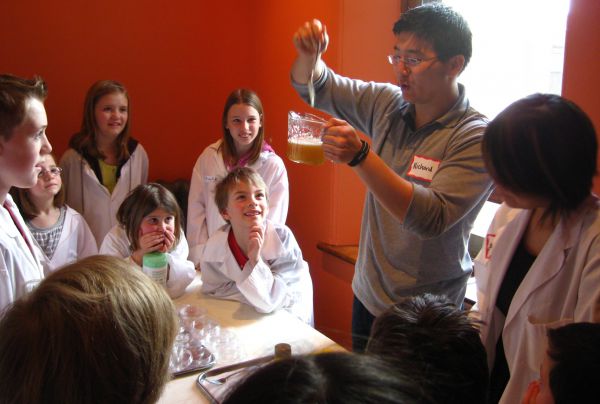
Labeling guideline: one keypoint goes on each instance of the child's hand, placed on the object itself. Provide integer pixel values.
(149, 242)
(255, 241)
(168, 242)
(153, 241)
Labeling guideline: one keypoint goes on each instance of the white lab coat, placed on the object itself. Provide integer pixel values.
(76, 242)
(203, 217)
(85, 193)
(281, 278)
(562, 286)
(181, 271)
(20, 270)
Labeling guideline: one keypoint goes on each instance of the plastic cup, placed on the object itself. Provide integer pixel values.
(304, 138)
(181, 356)
(192, 317)
(201, 356)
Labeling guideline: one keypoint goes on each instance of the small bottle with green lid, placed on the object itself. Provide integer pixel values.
(156, 266)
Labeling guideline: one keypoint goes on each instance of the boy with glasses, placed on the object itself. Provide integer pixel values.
(425, 177)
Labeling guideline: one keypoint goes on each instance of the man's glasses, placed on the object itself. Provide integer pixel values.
(53, 171)
(408, 61)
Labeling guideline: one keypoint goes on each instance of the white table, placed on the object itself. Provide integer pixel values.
(257, 334)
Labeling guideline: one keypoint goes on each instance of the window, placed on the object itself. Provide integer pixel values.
(518, 49)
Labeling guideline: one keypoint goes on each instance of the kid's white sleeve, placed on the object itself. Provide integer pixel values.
(181, 271)
(116, 243)
(197, 230)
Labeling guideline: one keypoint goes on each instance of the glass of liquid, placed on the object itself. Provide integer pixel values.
(304, 138)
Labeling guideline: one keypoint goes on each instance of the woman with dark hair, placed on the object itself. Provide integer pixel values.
(540, 265)
(243, 145)
(103, 162)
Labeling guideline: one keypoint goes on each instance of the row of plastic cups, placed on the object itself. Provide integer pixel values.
(188, 350)
(197, 333)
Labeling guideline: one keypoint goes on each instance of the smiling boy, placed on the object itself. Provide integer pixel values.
(251, 259)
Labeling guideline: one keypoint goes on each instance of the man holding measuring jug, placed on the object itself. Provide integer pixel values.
(304, 138)
(424, 174)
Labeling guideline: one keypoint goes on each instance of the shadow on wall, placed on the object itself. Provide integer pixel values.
(180, 188)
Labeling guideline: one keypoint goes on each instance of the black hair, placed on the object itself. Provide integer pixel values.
(575, 351)
(543, 145)
(428, 336)
(332, 378)
(445, 29)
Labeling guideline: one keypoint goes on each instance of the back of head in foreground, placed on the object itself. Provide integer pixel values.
(574, 351)
(438, 343)
(96, 331)
(332, 378)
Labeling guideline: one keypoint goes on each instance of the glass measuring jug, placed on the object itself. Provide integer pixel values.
(304, 138)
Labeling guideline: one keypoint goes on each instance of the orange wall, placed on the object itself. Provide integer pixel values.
(311, 192)
(581, 80)
(326, 201)
(178, 63)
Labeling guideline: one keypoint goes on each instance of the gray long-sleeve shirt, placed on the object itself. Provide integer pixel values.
(428, 251)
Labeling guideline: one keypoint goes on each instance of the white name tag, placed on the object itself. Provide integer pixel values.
(423, 168)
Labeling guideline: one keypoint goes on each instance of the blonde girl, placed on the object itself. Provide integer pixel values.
(94, 332)
(150, 220)
(243, 145)
(103, 162)
(60, 231)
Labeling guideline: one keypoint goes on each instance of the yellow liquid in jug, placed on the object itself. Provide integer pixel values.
(306, 151)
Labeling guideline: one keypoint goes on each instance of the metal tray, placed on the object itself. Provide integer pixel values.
(216, 383)
(198, 366)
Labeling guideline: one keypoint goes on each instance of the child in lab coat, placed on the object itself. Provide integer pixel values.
(150, 220)
(243, 145)
(103, 162)
(23, 144)
(251, 259)
(61, 232)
